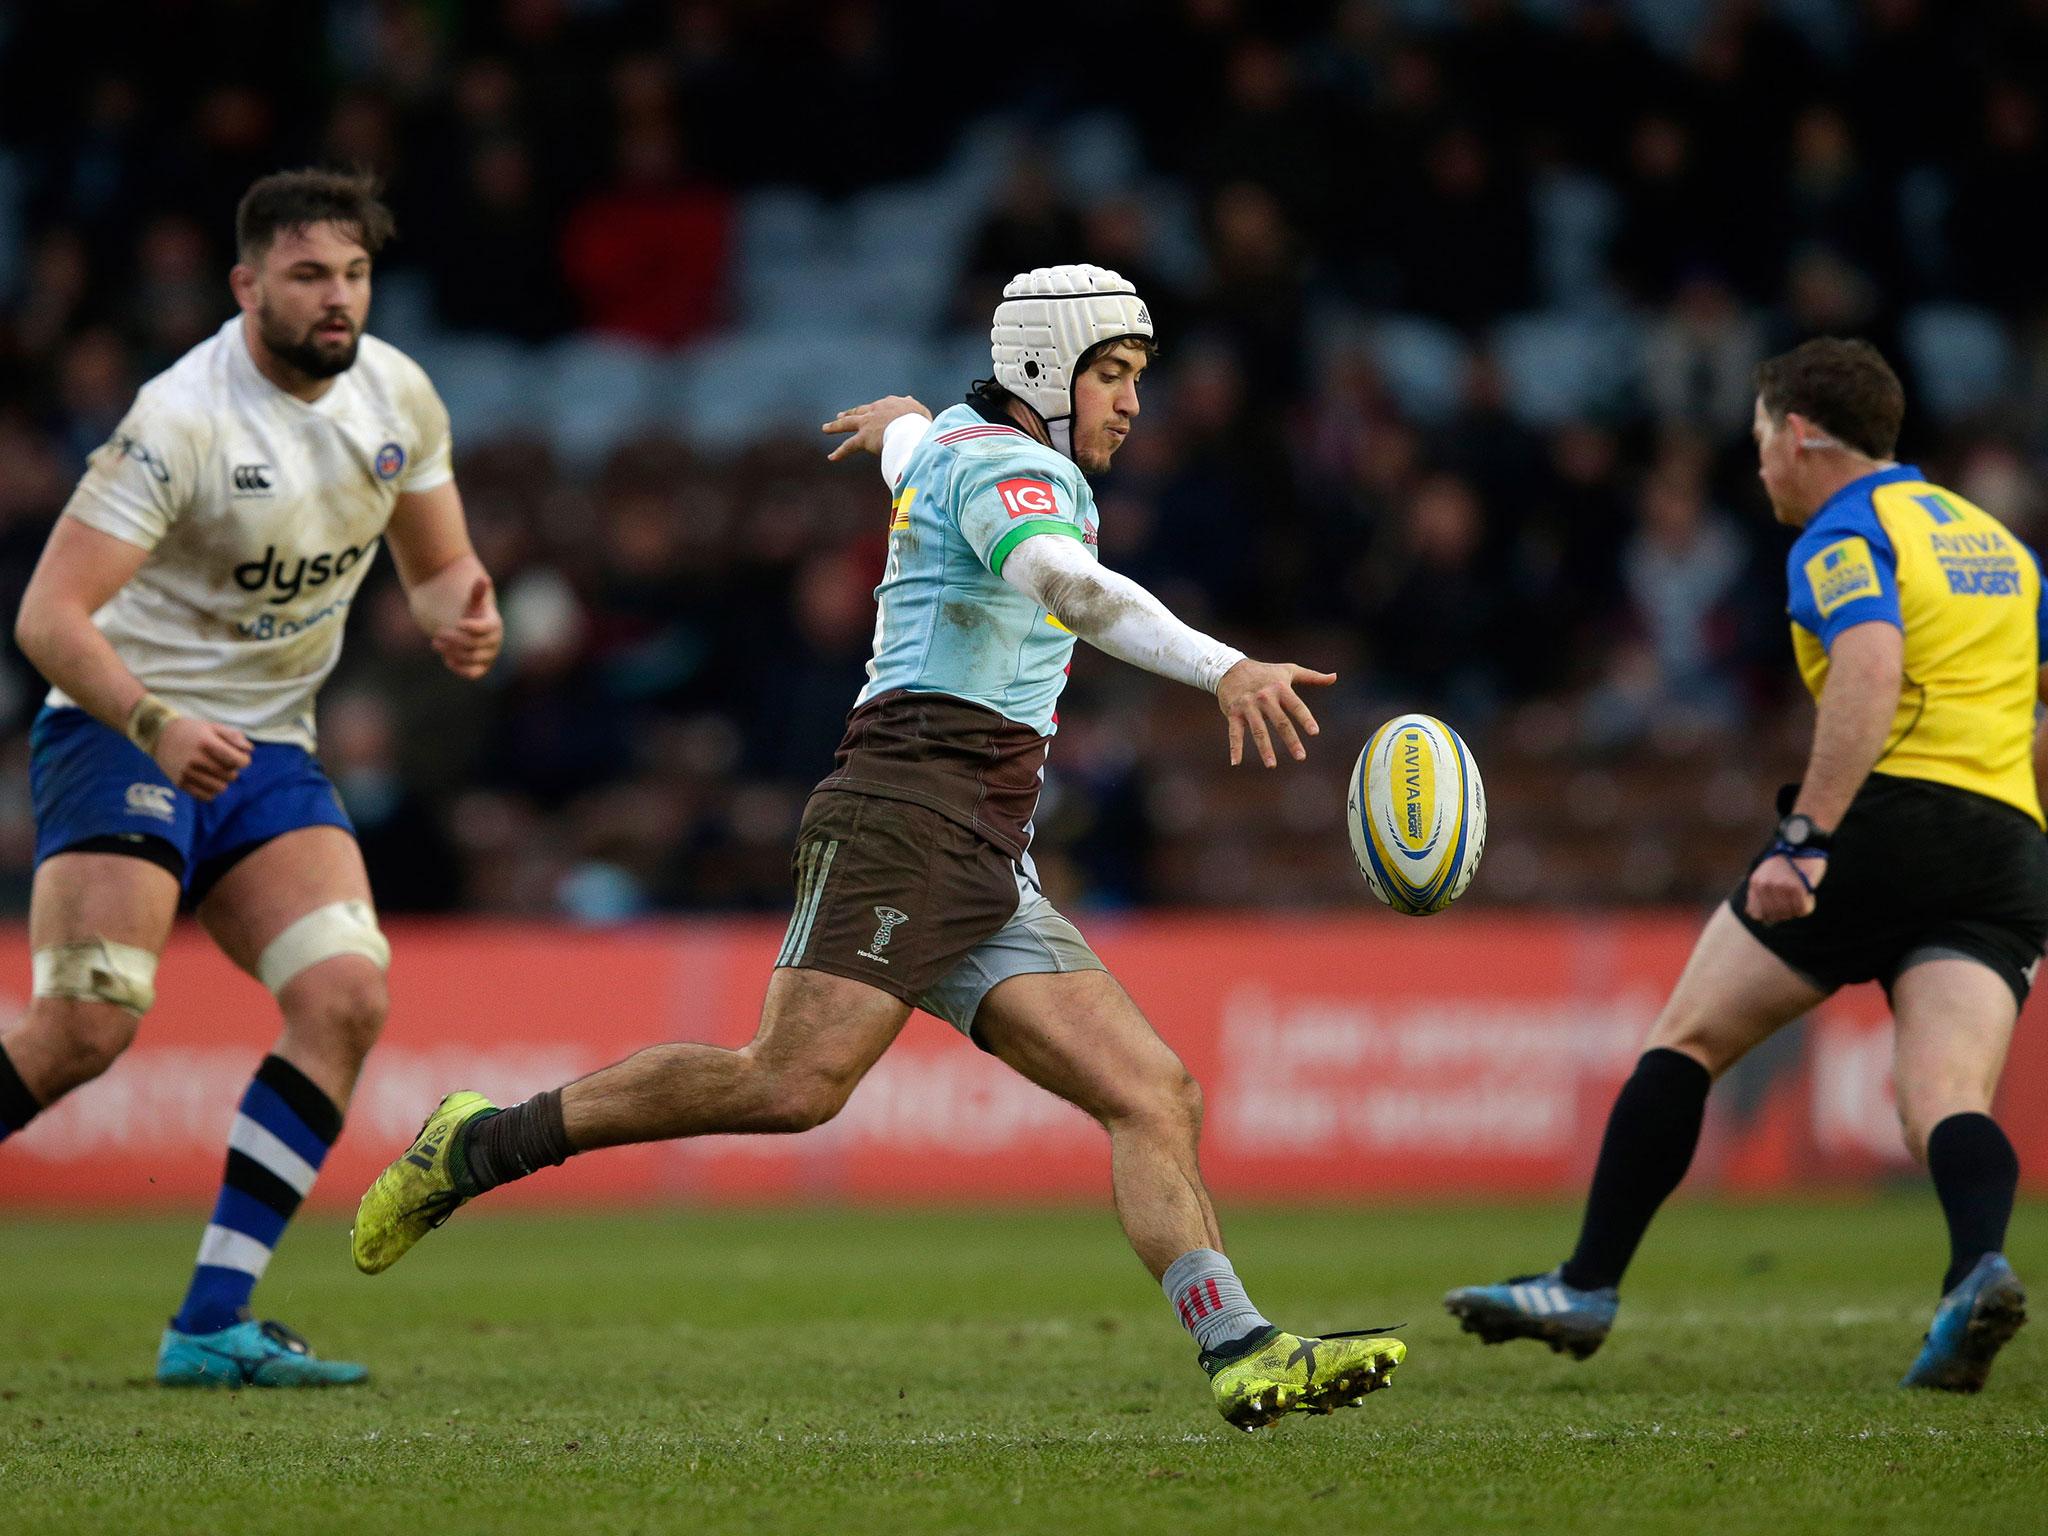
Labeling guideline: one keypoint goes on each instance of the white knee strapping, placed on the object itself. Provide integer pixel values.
(339, 928)
(98, 971)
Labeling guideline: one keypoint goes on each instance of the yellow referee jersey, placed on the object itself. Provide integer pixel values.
(1966, 595)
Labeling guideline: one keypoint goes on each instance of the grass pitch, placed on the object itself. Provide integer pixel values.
(1015, 1372)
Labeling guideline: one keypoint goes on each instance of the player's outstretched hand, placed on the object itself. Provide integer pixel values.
(470, 642)
(863, 425)
(1777, 894)
(201, 758)
(1259, 700)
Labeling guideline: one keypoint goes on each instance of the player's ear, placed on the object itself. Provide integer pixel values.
(242, 281)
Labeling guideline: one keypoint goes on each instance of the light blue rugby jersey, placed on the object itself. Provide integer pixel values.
(947, 621)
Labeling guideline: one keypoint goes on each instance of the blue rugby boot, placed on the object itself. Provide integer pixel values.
(250, 1354)
(1569, 1320)
(1973, 1323)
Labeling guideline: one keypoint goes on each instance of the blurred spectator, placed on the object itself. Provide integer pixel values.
(94, 390)
(559, 733)
(1700, 356)
(1266, 134)
(1996, 220)
(181, 292)
(1680, 570)
(1907, 96)
(1255, 297)
(1433, 604)
(1215, 500)
(59, 285)
(411, 862)
(1833, 204)
(1465, 240)
(646, 258)
(1603, 77)
(493, 263)
(1670, 226)
(1030, 225)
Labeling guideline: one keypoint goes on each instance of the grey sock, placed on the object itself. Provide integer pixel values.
(1210, 1299)
(499, 1148)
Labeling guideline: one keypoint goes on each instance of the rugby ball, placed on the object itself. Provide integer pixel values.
(1418, 815)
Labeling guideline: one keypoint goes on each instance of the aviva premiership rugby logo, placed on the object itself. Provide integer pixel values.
(390, 460)
(890, 920)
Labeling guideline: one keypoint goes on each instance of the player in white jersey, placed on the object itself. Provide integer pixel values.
(187, 608)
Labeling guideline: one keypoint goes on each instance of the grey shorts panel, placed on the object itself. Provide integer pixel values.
(2019, 978)
(1037, 941)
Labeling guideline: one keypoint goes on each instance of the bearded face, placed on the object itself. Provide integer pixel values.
(309, 296)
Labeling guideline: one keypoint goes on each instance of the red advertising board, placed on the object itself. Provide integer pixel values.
(1346, 1057)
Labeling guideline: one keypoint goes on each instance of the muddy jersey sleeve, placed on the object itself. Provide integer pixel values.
(433, 459)
(138, 483)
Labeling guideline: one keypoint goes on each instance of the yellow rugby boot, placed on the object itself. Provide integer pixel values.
(1284, 1373)
(420, 1190)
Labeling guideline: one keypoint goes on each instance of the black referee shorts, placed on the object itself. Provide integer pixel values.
(1920, 871)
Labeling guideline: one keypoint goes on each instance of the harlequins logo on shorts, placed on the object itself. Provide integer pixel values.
(152, 800)
(890, 920)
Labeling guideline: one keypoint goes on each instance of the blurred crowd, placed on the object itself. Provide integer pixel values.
(1342, 212)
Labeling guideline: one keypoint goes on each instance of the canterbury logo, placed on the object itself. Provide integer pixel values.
(154, 800)
(252, 480)
(890, 920)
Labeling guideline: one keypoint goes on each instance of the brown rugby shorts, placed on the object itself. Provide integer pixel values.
(892, 893)
(905, 898)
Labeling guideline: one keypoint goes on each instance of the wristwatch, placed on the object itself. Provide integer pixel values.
(1798, 833)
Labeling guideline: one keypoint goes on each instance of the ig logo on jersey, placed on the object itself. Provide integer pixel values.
(1027, 498)
(390, 460)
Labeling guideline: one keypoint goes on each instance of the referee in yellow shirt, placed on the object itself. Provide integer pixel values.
(1912, 854)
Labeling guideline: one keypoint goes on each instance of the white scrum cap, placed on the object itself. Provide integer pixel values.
(1049, 317)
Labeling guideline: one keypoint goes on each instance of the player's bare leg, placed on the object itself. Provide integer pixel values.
(1955, 1022)
(286, 913)
(334, 1009)
(1079, 1035)
(819, 1035)
(65, 1041)
(1733, 995)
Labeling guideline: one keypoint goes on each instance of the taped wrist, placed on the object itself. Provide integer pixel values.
(147, 720)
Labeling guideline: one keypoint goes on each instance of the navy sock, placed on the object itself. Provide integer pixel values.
(1975, 1173)
(17, 1105)
(279, 1140)
(1651, 1134)
(509, 1144)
